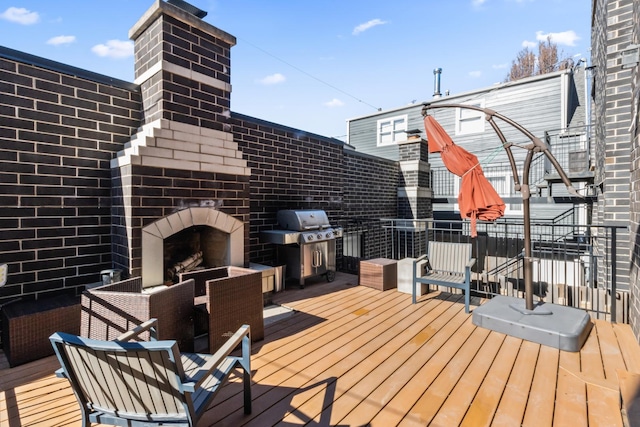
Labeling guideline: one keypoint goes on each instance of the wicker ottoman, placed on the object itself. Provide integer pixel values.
(234, 298)
(379, 273)
(27, 325)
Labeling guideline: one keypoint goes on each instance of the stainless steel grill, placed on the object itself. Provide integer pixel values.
(306, 243)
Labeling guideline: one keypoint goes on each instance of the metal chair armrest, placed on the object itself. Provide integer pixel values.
(242, 335)
(150, 325)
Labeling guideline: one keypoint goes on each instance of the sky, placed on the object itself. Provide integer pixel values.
(312, 65)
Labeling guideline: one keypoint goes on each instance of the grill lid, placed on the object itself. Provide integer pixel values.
(303, 220)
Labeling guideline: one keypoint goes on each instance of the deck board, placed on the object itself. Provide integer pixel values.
(485, 402)
(352, 356)
(513, 402)
(571, 395)
(449, 373)
(602, 396)
(542, 395)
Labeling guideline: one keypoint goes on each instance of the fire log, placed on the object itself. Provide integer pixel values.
(187, 265)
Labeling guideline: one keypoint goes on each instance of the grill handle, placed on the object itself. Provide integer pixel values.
(317, 258)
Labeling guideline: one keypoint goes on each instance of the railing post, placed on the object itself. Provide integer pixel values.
(614, 261)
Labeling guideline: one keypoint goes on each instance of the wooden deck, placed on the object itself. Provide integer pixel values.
(354, 356)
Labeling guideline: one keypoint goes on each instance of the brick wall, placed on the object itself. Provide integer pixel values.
(292, 169)
(159, 192)
(414, 186)
(59, 129)
(371, 186)
(80, 149)
(634, 308)
(183, 66)
(63, 208)
(612, 29)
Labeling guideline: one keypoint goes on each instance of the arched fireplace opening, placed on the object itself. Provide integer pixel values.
(194, 248)
(176, 237)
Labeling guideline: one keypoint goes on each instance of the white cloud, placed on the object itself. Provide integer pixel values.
(58, 40)
(567, 38)
(20, 15)
(478, 3)
(475, 74)
(529, 44)
(114, 49)
(499, 66)
(273, 79)
(335, 102)
(367, 25)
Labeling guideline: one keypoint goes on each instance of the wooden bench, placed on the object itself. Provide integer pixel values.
(448, 264)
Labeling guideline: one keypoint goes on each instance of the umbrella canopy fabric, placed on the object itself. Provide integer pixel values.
(477, 199)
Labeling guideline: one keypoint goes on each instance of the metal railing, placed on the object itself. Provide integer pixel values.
(446, 184)
(573, 264)
(570, 146)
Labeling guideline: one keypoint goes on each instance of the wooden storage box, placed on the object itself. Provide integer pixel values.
(379, 273)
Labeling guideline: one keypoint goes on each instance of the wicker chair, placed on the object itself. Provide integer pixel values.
(200, 278)
(110, 310)
(233, 298)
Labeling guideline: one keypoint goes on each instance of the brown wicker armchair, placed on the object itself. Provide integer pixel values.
(233, 298)
(111, 310)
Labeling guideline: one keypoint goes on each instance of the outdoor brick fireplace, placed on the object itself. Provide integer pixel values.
(220, 238)
(181, 185)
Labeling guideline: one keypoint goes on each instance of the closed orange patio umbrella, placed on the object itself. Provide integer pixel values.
(477, 198)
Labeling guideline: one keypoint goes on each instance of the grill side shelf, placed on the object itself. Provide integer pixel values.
(280, 237)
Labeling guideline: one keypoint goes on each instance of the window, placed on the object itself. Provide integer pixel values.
(392, 130)
(470, 121)
(504, 186)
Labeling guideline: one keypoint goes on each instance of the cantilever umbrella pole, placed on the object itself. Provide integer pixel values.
(536, 146)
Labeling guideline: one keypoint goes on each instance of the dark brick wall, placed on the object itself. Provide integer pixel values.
(408, 151)
(371, 186)
(58, 133)
(291, 169)
(159, 192)
(611, 33)
(173, 96)
(634, 308)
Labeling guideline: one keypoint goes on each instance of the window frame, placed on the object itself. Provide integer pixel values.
(396, 135)
(513, 208)
(466, 116)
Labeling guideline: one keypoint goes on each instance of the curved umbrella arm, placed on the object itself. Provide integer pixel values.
(537, 145)
(507, 147)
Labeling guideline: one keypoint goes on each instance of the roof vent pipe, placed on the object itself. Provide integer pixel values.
(436, 82)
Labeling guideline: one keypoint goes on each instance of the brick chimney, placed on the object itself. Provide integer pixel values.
(183, 157)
